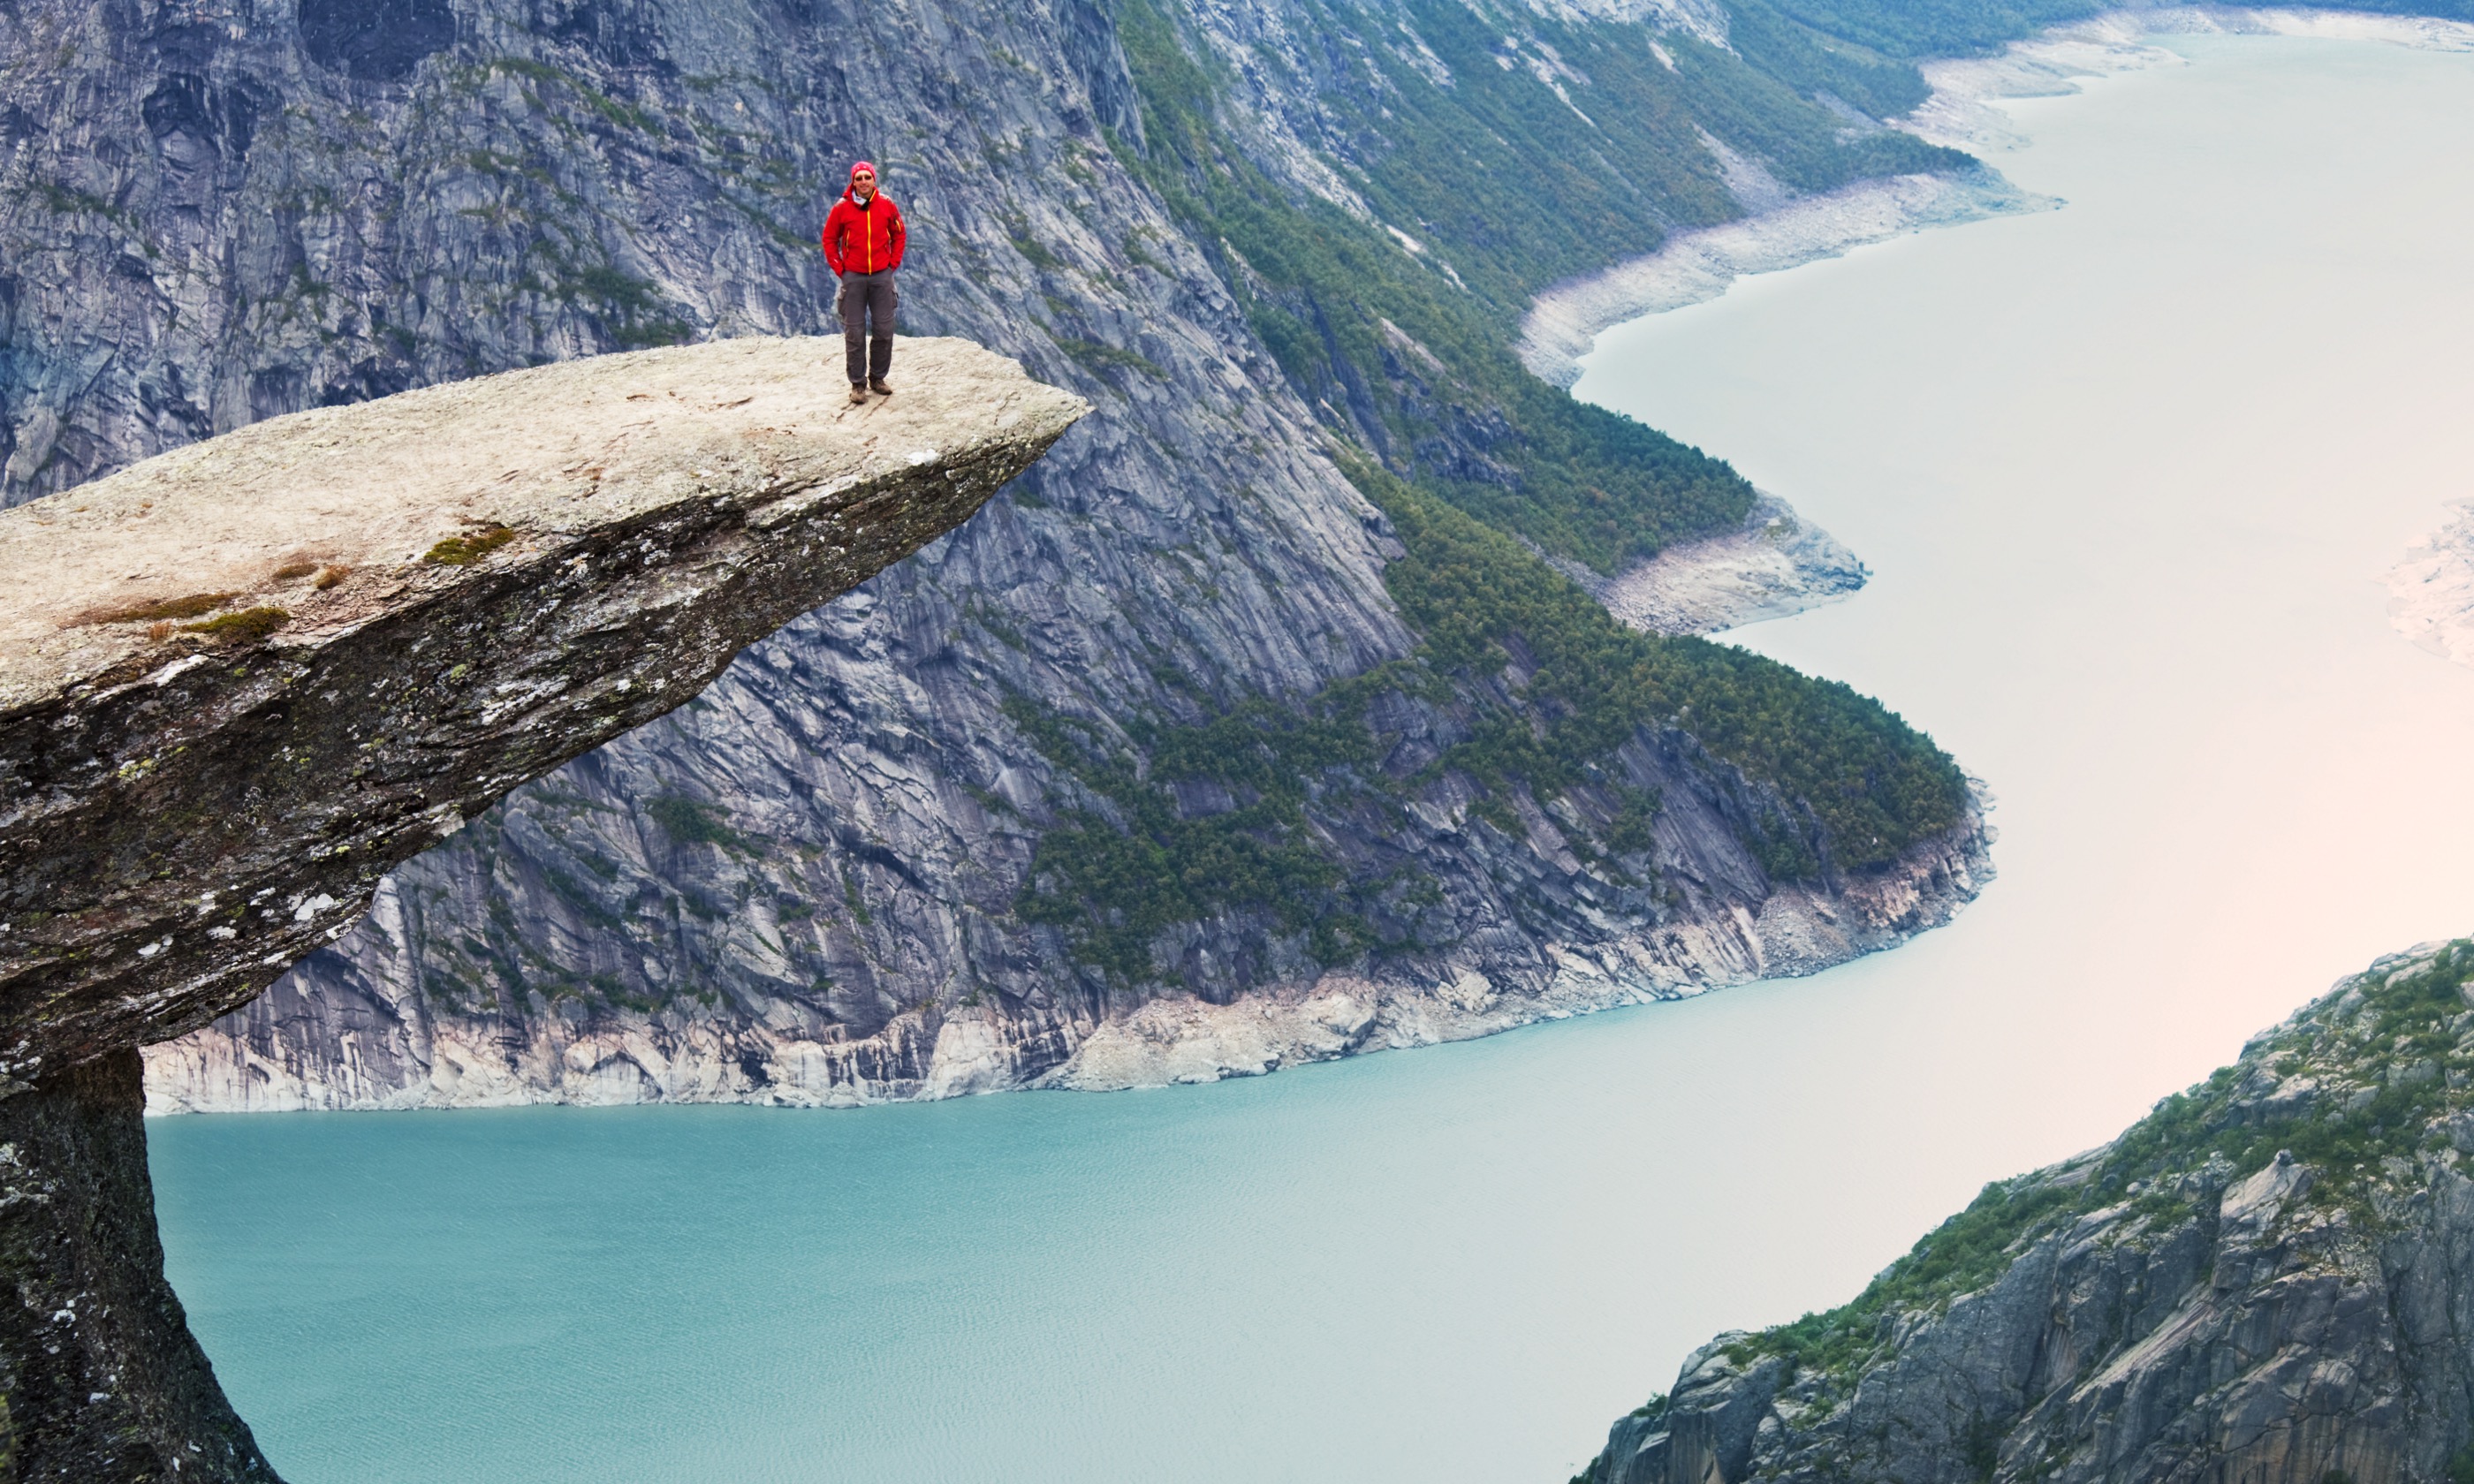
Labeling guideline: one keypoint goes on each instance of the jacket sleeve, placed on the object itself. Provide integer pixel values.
(900, 236)
(831, 238)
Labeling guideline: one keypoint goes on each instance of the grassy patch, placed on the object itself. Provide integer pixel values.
(159, 610)
(638, 312)
(694, 822)
(248, 626)
(1096, 358)
(621, 114)
(469, 548)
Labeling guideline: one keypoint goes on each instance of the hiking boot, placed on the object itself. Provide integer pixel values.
(858, 394)
(876, 384)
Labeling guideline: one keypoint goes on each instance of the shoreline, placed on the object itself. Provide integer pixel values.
(667, 1057)
(1797, 932)
(1775, 565)
(1565, 321)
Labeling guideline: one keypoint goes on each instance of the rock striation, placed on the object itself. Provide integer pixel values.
(241, 682)
(2268, 1279)
(386, 1032)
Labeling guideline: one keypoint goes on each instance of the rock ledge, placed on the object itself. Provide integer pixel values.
(241, 680)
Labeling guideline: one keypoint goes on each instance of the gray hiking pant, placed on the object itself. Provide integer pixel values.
(867, 297)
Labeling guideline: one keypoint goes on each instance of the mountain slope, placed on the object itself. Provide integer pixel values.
(1161, 730)
(2269, 1277)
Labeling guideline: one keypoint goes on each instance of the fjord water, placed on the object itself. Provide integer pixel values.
(2128, 474)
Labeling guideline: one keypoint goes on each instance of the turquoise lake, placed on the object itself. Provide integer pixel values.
(2128, 474)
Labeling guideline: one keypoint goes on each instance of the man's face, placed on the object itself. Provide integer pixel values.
(863, 185)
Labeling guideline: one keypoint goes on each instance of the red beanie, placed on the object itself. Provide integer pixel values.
(859, 165)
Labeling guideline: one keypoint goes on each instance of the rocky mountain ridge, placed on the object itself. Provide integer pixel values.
(872, 837)
(2269, 1277)
(275, 664)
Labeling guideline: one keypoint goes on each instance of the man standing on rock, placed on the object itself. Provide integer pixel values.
(863, 241)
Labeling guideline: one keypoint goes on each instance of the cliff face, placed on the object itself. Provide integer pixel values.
(808, 884)
(386, 1027)
(2271, 1278)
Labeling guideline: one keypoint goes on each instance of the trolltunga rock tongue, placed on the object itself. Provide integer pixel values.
(241, 680)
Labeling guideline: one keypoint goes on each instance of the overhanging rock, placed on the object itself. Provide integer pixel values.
(240, 682)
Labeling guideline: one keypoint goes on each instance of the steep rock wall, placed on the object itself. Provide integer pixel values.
(379, 1030)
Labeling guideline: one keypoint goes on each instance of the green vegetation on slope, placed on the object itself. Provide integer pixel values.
(1513, 185)
(1115, 889)
(2386, 1059)
(1525, 165)
(1911, 29)
(1865, 785)
(1874, 784)
(1354, 318)
(1406, 351)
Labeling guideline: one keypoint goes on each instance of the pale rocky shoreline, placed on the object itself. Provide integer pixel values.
(398, 1055)
(1564, 322)
(1777, 564)
(2431, 593)
(1797, 932)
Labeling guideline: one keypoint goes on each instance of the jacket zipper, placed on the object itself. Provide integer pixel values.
(867, 237)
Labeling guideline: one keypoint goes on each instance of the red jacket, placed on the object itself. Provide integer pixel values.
(865, 239)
